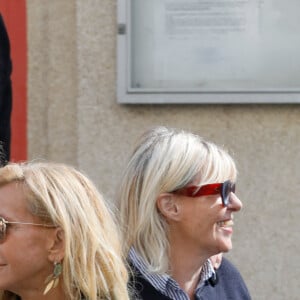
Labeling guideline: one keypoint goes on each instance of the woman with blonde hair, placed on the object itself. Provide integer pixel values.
(177, 200)
(58, 239)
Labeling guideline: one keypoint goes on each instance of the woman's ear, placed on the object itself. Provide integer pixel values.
(56, 245)
(168, 206)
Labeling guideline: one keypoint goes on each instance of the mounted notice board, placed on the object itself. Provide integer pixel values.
(214, 51)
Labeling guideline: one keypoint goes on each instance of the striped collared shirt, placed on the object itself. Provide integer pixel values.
(165, 283)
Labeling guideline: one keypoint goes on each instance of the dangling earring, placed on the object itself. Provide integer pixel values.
(53, 279)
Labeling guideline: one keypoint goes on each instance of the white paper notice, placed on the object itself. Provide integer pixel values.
(205, 40)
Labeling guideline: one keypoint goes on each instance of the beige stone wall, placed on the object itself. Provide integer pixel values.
(52, 80)
(73, 117)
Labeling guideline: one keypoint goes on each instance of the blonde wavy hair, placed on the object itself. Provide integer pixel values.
(164, 160)
(93, 267)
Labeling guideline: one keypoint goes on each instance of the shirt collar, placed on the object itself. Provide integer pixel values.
(164, 281)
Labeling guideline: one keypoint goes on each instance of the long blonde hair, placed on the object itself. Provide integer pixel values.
(165, 159)
(93, 266)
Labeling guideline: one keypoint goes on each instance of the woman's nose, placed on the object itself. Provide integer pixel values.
(234, 202)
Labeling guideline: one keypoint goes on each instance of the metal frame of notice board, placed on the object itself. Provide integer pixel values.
(223, 51)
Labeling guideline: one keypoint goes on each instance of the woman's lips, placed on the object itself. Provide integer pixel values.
(226, 226)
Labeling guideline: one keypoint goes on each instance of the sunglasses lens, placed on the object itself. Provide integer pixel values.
(227, 188)
(2, 229)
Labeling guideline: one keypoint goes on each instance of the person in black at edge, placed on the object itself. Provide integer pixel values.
(5, 94)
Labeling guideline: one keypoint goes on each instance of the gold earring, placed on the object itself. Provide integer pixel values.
(53, 279)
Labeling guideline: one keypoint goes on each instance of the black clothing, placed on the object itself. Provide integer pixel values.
(5, 93)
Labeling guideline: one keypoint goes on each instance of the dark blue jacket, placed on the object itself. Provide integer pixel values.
(228, 285)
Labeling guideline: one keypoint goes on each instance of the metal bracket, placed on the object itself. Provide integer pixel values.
(121, 29)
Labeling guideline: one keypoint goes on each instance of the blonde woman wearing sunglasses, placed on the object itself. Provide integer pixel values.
(57, 237)
(177, 200)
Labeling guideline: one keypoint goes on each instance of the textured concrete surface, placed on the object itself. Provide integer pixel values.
(73, 117)
(52, 80)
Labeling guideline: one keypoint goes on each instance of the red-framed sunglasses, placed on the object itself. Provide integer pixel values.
(224, 189)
